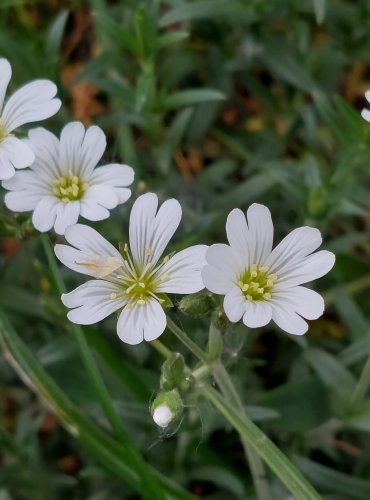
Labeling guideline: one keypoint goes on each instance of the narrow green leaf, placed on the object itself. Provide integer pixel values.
(331, 371)
(206, 9)
(105, 449)
(333, 481)
(192, 96)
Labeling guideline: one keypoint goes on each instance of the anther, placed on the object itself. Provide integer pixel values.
(113, 296)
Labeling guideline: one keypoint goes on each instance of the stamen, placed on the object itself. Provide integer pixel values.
(257, 282)
(113, 296)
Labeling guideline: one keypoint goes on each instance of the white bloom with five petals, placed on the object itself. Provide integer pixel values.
(135, 279)
(31, 103)
(63, 183)
(261, 284)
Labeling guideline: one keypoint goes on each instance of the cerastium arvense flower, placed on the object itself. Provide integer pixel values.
(136, 278)
(33, 102)
(261, 284)
(63, 183)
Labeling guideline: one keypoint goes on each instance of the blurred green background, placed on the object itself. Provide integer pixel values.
(218, 103)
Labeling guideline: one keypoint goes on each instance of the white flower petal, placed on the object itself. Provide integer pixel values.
(93, 147)
(297, 244)
(46, 147)
(32, 102)
(139, 322)
(219, 255)
(67, 215)
(26, 180)
(93, 302)
(6, 168)
(17, 151)
(225, 258)
(71, 139)
(257, 314)
(88, 240)
(237, 233)
(365, 113)
(182, 273)
(5, 76)
(216, 281)
(303, 301)
(101, 195)
(150, 232)
(123, 194)
(308, 269)
(234, 304)
(90, 210)
(22, 201)
(93, 253)
(287, 319)
(141, 225)
(114, 175)
(166, 222)
(43, 218)
(260, 233)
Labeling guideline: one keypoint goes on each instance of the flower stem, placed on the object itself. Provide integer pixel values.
(297, 484)
(100, 387)
(256, 465)
(363, 383)
(250, 434)
(185, 339)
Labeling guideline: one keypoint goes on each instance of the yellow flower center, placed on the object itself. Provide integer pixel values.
(257, 283)
(69, 188)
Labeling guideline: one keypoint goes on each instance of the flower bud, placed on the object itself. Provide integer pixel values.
(167, 408)
(173, 374)
(198, 304)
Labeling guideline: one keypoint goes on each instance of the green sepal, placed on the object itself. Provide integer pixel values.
(173, 374)
(198, 304)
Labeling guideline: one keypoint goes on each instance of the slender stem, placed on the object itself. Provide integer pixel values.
(256, 465)
(185, 339)
(161, 348)
(100, 387)
(363, 383)
(293, 479)
(248, 431)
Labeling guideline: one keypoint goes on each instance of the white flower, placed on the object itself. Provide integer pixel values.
(31, 103)
(365, 113)
(261, 284)
(135, 280)
(63, 183)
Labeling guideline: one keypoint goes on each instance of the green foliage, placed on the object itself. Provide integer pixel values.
(218, 103)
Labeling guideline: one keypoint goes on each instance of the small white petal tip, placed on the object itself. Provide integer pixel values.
(162, 416)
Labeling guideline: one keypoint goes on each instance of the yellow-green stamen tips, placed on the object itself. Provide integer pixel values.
(256, 283)
(69, 188)
(140, 285)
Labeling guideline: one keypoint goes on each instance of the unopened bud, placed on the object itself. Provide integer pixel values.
(162, 416)
(167, 408)
(173, 374)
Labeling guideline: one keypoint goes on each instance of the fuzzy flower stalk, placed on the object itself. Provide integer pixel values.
(33, 102)
(136, 279)
(63, 183)
(261, 284)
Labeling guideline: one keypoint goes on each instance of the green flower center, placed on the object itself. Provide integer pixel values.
(257, 283)
(140, 285)
(69, 188)
(2, 132)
